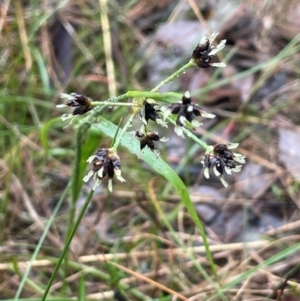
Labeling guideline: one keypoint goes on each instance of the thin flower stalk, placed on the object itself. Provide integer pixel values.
(174, 75)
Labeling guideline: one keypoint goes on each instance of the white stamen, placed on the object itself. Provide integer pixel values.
(178, 130)
(213, 37)
(207, 115)
(239, 158)
(203, 40)
(232, 145)
(118, 175)
(221, 45)
(88, 176)
(221, 65)
(196, 124)
(91, 158)
(161, 122)
(206, 172)
(187, 94)
(223, 181)
(163, 139)
(61, 106)
(190, 108)
(100, 172)
(217, 173)
(110, 186)
(165, 111)
(228, 170)
(68, 96)
(182, 120)
(237, 168)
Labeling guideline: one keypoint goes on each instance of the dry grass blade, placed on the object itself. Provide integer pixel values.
(145, 254)
(105, 21)
(148, 280)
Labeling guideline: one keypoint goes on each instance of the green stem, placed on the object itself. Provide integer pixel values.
(176, 74)
(120, 104)
(196, 139)
(120, 136)
(166, 97)
(192, 136)
(42, 239)
(65, 250)
(110, 101)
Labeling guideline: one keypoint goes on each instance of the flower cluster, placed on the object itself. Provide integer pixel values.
(80, 103)
(222, 160)
(148, 139)
(205, 52)
(105, 162)
(151, 111)
(186, 112)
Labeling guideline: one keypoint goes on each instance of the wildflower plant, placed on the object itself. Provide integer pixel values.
(152, 109)
(156, 109)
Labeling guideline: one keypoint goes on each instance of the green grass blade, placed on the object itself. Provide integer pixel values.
(39, 245)
(81, 296)
(66, 247)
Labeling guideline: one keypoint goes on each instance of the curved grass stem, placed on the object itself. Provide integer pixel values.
(174, 75)
(67, 245)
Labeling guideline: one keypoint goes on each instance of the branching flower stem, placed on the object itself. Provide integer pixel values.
(108, 103)
(190, 64)
(192, 136)
(120, 100)
(124, 129)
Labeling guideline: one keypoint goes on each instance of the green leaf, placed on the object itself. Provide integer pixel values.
(44, 133)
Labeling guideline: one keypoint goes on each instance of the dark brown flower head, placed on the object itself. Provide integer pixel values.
(148, 139)
(150, 111)
(222, 160)
(187, 111)
(80, 103)
(105, 162)
(205, 52)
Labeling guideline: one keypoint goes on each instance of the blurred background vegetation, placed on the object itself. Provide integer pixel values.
(123, 250)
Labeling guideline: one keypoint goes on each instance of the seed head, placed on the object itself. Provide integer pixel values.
(186, 112)
(222, 160)
(148, 139)
(80, 103)
(151, 111)
(205, 52)
(105, 162)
